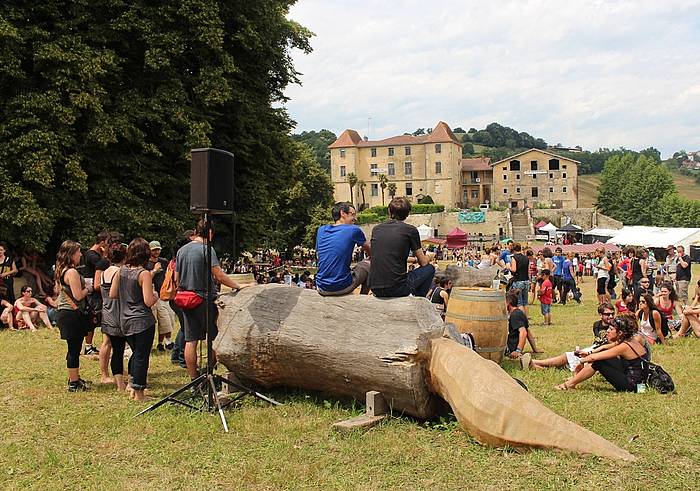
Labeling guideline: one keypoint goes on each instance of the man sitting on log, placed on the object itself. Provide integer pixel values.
(334, 246)
(392, 241)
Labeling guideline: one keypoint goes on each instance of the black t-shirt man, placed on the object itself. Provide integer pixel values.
(683, 274)
(516, 320)
(159, 277)
(391, 243)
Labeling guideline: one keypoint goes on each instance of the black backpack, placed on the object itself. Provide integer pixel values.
(655, 376)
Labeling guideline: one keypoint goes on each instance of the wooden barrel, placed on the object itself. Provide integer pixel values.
(481, 312)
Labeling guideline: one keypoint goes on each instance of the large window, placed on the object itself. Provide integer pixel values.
(535, 192)
(391, 169)
(391, 151)
(375, 189)
(373, 169)
(475, 193)
(533, 165)
(409, 189)
(374, 152)
(408, 168)
(407, 150)
(514, 165)
(563, 175)
(553, 164)
(342, 171)
(438, 167)
(438, 148)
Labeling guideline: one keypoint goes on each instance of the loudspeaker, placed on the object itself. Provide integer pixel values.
(211, 181)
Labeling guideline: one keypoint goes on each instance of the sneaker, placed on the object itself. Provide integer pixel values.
(160, 347)
(78, 386)
(91, 350)
(525, 360)
(169, 346)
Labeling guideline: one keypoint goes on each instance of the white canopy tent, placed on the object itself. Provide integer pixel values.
(424, 231)
(656, 237)
(550, 229)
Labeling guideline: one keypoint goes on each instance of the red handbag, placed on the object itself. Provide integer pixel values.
(188, 300)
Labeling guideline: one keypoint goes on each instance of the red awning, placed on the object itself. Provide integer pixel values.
(434, 240)
(457, 238)
(540, 224)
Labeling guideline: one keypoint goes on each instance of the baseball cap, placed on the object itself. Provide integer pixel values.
(154, 244)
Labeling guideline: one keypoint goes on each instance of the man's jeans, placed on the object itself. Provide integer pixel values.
(417, 284)
(178, 353)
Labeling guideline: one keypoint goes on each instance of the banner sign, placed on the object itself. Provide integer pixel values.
(471, 217)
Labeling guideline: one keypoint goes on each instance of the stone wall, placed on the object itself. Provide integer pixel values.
(586, 218)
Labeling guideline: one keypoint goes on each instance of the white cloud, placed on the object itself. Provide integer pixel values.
(596, 74)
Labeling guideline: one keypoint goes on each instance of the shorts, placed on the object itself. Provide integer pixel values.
(195, 322)
(682, 290)
(546, 308)
(524, 288)
(602, 286)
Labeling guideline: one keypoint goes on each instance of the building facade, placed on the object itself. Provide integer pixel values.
(426, 165)
(477, 181)
(535, 176)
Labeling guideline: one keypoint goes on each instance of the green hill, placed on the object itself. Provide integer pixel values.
(588, 188)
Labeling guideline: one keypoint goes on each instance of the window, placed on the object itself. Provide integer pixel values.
(438, 167)
(475, 193)
(408, 168)
(534, 176)
(342, 171)
(505, 177)
(551, 189)
(517, 190)
(375, 189)
(553, 164)
(551, 176)
(391, 169)
(533, 165)
(373, 169)
(342, 153)
(563, 190)
(391, 151)
(438, 148)
(563, 166)
(505, 168)
(535, 192)
(505, 191)
(407, 150)
(517, 177)
(374, 152)
(514, 165)
(409, 189)
(563, 175)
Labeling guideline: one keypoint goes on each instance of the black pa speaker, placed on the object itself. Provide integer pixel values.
(211, 181)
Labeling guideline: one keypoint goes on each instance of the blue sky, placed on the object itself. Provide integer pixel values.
(589, 73)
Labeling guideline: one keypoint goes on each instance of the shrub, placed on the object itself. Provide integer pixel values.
(419, 209)
(378, 210)
(368, 217)
(426, 200)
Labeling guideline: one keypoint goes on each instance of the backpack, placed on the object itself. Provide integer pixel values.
(655, 376)
(169, 289)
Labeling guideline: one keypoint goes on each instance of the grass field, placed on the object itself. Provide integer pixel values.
(52, 439)
(588, 188)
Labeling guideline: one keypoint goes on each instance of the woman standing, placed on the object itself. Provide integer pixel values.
(114, 341)
(8, 269)
(602, 275)
(133, 286)
(71, 318)
(650, 322)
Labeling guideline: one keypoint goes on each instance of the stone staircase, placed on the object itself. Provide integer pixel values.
(521, 225)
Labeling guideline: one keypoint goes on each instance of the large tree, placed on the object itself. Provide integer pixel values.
(101, 101)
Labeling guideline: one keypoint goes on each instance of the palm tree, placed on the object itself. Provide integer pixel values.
(362, 184)
(382, 184)
(392, 189)
(352, 181)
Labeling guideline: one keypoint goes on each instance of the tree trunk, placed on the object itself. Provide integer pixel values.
(281, 336)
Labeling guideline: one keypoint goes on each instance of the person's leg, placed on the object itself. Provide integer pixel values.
(118, 344)
(73, 362)
(141, 345)
(557, 361)
(191, 358)
(420, 279)
(533, 342)
(178, 353)
(614, 372)
(88, 340)
(360, 275)
(566, 288)
(584, 374)
(105, 353)
(195, 331)
(682, 291)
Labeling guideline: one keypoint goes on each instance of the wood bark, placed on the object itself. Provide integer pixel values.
(281, 336)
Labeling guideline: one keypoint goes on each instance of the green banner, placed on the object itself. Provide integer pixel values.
(471, 217)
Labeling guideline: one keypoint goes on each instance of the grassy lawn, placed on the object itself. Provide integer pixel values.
(588, 188)
(53, 439)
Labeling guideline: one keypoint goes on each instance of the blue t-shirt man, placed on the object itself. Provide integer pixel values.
(558, 261)
(566, 269)
(334, 248)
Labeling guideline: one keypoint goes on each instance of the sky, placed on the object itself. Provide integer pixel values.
(599, 74)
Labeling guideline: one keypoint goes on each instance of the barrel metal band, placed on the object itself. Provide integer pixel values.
(482, 296)
(497, 349)
(482, 318)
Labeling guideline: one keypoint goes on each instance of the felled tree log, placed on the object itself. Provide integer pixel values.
(471, 277)
(281, 336)
(276, 335)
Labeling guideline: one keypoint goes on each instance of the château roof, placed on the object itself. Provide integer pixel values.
(440, 134)
(475, 164)
(507, 159)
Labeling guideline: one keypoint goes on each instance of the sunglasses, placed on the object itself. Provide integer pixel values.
(608, 313)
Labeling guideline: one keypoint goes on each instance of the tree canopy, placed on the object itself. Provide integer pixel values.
(318, 142)
(101, 101)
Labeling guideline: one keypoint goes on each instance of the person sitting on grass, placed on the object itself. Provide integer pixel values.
(28, 310)
(650, 320)
(6, 315)
(620, 365)
(626, 302)
(691, 316)
(545, 295)
(518, 327)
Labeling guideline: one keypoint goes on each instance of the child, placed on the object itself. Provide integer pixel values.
(545, 295)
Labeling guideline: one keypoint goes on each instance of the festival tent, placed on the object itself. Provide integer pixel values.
(434, 240)
(457, 238)
(549, 229)
(600, 234)
(424, 231)
(656, 237)
(540, 224)
(570, 227)
(580, 248)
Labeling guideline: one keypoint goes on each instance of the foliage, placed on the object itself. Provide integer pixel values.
(676, 211)
(352, 181)
(368, 217)
(467, 149)
(631, 188)
(383, 180)
(593, 162)
(416, 209)
(362, 185)
(495, 135)
(318, 142)
(391, 188)
(542, 206)
(101, 101)
(426, 200)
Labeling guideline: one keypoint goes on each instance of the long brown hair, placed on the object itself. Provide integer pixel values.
(64, 259)
(138, 252)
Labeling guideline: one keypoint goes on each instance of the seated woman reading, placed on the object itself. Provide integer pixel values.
(621, 365)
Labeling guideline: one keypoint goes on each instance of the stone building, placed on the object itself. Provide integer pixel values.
(418, 165)
(477, 181)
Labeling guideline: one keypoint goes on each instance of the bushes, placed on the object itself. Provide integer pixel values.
(368, 217)
(426, 200)
(380, 213)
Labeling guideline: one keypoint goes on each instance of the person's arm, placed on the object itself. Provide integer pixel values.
(222, 278)
(445, 296)
(643, 266)
(114, 288)
(682, 261)
(421, 257)
(613, 352)
(513, 265)
(21, 307)
(679, 309)
(146, 280)
(522, 338)
(657, 325)
(77, 292)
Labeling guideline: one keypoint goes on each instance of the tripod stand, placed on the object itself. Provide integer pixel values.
(205, 383)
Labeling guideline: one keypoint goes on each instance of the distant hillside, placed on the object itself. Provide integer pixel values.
(588, 188)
